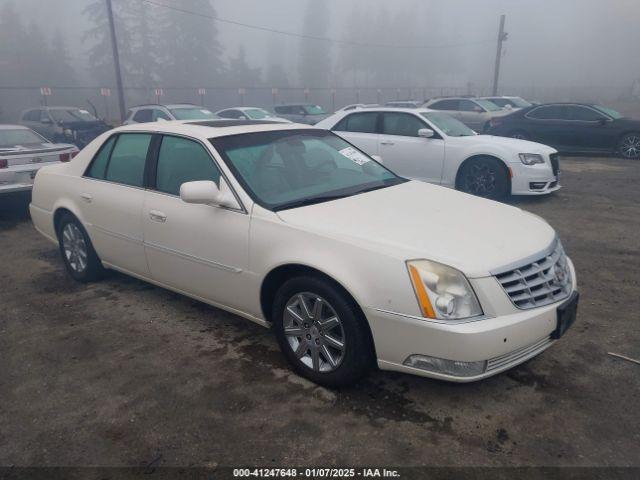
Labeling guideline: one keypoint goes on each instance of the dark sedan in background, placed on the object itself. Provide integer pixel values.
(64, 124)
(573, 128)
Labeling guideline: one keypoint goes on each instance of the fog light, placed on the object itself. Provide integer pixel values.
(537, 185)
(448, 367)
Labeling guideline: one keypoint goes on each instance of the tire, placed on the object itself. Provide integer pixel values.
(80, 259)
(629, 146)
(484, 177)
(520, 135)
(316, 341)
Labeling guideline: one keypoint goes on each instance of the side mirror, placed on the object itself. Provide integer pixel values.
(426, 133)
(206, 192)
(243, 117)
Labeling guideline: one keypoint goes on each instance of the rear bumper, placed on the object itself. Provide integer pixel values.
(19, 178)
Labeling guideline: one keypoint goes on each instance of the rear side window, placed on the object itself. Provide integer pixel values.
(445, 105)
(98, 167)
(358, 122)
(181, 160)
(284, 110)
(142, 116)
(126, 164)
(402, 124)
(551, 112)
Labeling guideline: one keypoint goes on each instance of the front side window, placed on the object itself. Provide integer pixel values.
(448, 125)
(403, 124)
(181, 160)
(313, 110)
(32, 116)
(584, 114)
(69, 115)
(159, 115)
(126, 164)
(608, 111)
(358, 122)
(293, 168)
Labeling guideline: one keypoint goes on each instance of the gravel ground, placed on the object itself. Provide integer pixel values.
(121, 373)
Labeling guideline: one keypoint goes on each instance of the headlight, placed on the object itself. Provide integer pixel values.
(443, 292)
(67, 132)
(531, 158)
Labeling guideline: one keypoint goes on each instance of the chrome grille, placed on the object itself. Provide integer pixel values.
(518, 356)
(538, 283)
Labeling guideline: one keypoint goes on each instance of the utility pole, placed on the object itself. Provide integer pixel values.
(502, 37)
(116, 60)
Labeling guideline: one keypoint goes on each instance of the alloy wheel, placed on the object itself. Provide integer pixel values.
(630, 147)
(480, 179)
(74, 247)
(314, 332)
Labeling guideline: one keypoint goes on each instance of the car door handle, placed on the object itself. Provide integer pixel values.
(157, 216)
(86, 197)
(386, 142)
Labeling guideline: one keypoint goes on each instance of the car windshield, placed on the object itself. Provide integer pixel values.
(293, 168)
(489, 106)
(71, 115)
(448, 125)
(19, 137)
(609, 111)
(192, 113)
(314, 110)
(257, 113)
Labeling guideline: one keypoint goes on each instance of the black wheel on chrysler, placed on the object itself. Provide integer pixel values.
(321, 331)
(484, 177)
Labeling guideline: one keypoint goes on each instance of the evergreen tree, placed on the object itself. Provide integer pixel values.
(240, 73)
(61, 72)
(12, 34)
(314, 65)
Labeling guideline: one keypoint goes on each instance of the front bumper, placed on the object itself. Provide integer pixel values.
(533, 180)
(504, 338)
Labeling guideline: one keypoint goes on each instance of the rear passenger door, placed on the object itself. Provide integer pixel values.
(361, 129)
(198, 249)
(408, 154)
(111, 197)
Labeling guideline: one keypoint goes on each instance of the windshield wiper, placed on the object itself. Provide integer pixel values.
(311, 201)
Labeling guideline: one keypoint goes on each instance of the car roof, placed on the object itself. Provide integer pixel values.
(301, 104)
(211, 128)
(166, 105)
(8, 126)
(386, 109)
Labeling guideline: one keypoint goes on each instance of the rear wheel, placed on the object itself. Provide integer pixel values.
(629, 146)
(78, 255)
(321, 332)
(484, 177)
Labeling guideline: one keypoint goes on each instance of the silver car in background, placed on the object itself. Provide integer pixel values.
(23, 152)
(475, 113)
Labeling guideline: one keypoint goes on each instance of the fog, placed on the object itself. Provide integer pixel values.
(556, 49)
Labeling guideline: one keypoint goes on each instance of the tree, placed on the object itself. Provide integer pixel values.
(61, 72)
(240, 73)
(314, 66)
(12, 34)
(99, 53)
(191, 52)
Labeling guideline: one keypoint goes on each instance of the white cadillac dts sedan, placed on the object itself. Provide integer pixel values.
(294, 228)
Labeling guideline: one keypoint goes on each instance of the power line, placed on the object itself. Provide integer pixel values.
(313, 37)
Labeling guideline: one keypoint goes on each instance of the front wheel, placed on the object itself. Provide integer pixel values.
(629, 146)
(321, 332)
(484, 177)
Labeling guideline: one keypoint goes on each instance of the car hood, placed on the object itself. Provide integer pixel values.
(512, 144)
(419, 220)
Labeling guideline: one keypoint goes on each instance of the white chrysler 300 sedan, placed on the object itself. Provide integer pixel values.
(294, 228)
(434, 147)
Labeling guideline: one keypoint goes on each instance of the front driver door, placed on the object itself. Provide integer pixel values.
(201, 250)
(407, 154)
